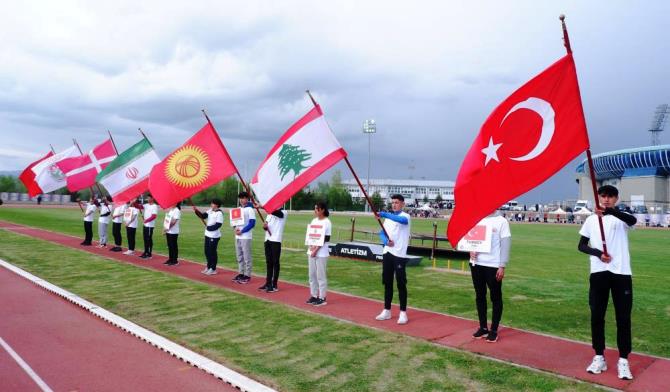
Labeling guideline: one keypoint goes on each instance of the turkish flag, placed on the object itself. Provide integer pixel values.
(80, 172)
(198, 164)
(28, 177)
(477, 233)
(530, 136)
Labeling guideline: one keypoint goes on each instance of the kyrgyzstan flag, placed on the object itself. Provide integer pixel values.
(530, 136)
(306, 150)
(27, 177)
(198, 164)
(80, 172)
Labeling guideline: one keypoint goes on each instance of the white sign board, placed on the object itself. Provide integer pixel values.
(166, 222)
(236, 217)
(316, 235)
(128, 216)
(478, 239)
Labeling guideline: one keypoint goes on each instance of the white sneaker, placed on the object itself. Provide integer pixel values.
(623, 369)
(384, 315)
(402, 318)
(205, 271)
(211, 272)
(129, 252)
(598, 365)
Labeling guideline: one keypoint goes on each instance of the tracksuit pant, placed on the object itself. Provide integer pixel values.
(148, 233)
(318, 280)
(173, 248)
(210, 252)
(621, 286)
(243, 252)
(102, 233)
(272, 254)
(394, 265)
(116, 233)
(483, 277)
(130, 233)
(88, 232)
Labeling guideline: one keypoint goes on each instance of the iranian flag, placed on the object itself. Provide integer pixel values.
(128, 175)
(306, 150)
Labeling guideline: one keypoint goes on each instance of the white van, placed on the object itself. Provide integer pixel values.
(582, 204)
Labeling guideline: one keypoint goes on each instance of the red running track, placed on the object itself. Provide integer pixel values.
(552, 354)
(72, 350)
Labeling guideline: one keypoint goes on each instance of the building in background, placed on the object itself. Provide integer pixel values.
(414, 191)
(640, 174)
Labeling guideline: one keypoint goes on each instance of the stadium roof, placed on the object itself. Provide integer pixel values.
(427, 183)
(632, 162)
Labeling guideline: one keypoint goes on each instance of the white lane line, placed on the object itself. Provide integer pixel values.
(43, 386)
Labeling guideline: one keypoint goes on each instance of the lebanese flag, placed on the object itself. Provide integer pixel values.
(306, 150)
(27, 177)
(48, 176)
(128, 175)
(80, 171)
(198, 164)
(530, 136)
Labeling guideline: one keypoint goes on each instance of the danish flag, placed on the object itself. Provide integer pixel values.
(80, 172)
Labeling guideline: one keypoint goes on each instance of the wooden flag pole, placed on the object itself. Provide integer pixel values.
(190, 201)
(592, 174)
(358, 181)
(244, 184)
(113, 144)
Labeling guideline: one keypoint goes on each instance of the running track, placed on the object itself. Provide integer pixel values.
(69, 349)
(552, 354)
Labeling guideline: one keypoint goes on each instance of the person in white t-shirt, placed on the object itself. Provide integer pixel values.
(149, 215)
(243, 237)
(103, 222)
(130, 217)
(274, 232)
(488, 270)
(213, 221)
(397, 225)
(117, 219)
(171, 231)
(318, 258)
(610, 272)
(89, 214)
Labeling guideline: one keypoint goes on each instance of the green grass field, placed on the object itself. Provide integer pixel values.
(280, 346)
(545, 287)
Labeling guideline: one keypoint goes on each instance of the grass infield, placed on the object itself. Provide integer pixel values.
(545, 287)
(277, 345)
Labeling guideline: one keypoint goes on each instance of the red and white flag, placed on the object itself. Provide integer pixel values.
(80, 172)
(306, 150)
(530, 136)
(47, 176)
(27, 177)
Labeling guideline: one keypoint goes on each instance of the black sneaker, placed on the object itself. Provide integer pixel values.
(244, 279)
(311, 300)
(85, 243)
(168, 262)
(237, 277)
(492, 337)
(271, 289)
(173, 263)
(264, 288)
(320, 302)
(116, 249)
(144, 256)
(480, 333)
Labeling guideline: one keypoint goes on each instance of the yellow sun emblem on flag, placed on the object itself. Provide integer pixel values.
(188, 167)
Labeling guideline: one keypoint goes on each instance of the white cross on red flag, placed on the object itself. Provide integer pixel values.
(525, 140)
(80, 172)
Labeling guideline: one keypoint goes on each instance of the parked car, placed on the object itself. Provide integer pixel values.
(622, 207)
(640, 210)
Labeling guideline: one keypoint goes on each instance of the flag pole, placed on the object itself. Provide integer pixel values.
(244, 184)
(358, 181)
(190, 201)
(113, 144)
(589, 158)
(52, 148)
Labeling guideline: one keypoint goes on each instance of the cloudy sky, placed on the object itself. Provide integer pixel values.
(428, 72)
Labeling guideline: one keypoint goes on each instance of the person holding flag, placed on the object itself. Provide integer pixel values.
(213, 219)
(89, 213)
(397, 225)
(117, 219)
(149, 215)
(488, 270)
(130, 218)
(171, 231)
(103, 222)
(274, 232)
(610, 272)
(243, 238)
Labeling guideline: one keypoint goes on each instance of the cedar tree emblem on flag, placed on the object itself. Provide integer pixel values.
(291, 158)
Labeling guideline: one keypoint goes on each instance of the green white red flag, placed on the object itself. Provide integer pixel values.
(307, 149)
(128, 175)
